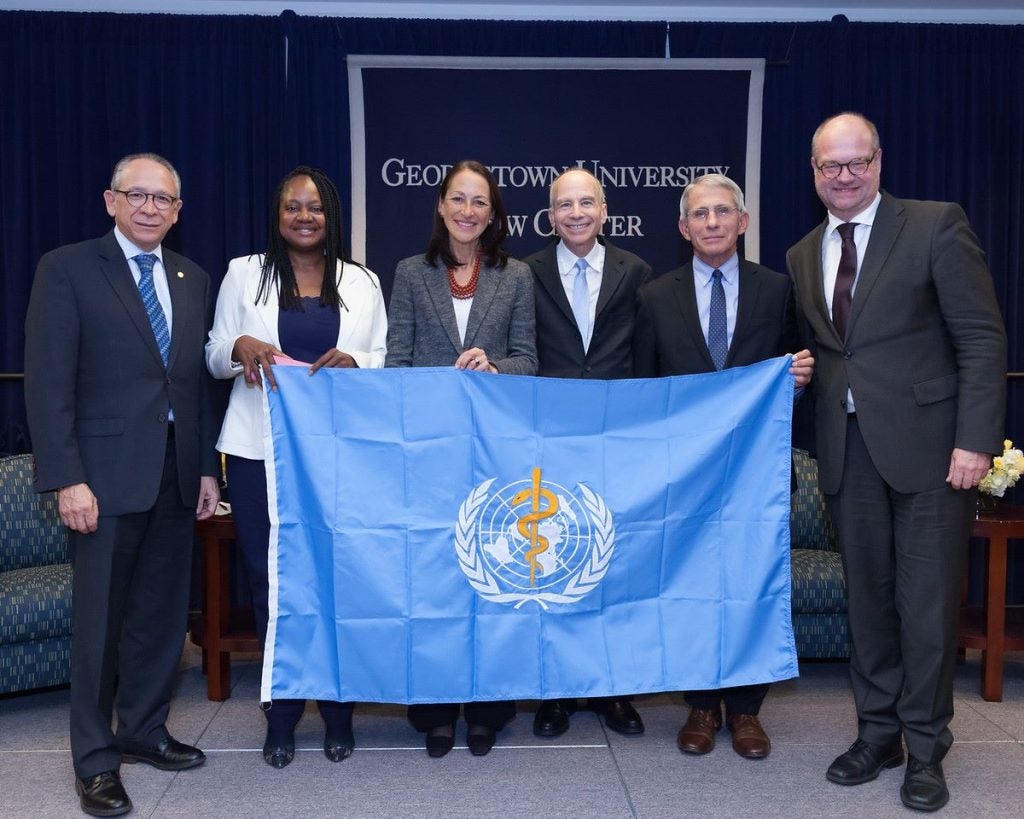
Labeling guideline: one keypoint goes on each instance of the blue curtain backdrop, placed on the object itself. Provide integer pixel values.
(318, 79)
(948, 101)
(236, 101)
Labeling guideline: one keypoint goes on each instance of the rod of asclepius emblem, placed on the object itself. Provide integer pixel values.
(529, 524)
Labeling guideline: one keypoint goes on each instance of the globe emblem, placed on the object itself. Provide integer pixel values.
(564, 532)
(534, 541)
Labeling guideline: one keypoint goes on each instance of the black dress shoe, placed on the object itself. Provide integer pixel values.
(168, 755)
(103, 794)
(621, 716)
(336, 750)
(480, 739)
(279, 747)
(551, 719)
(924, 786)
(338, 738)
(863, 762)
(339, 742)
(440, 740)
(278, 756)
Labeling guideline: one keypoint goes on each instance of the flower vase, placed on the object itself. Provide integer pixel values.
(986, 504)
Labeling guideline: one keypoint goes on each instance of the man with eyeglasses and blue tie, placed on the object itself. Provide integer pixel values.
(716, 312)
(585, 300)
(911, 394)
(122, 427)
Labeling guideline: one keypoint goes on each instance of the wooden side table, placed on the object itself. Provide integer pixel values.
(991, 627)
(221, 632)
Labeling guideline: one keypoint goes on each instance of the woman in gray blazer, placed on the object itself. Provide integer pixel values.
(464, 303)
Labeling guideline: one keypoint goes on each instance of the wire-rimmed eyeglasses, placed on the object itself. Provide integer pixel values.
(720, 211)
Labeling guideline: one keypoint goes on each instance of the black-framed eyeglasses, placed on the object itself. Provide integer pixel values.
(138, 199)
(721, 211)
(858, 167)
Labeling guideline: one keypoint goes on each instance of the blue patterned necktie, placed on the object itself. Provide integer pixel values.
(718, 327)
(157, 319)
(581, 300)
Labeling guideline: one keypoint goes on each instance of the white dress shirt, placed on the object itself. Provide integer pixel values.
(831, 250)
(163, 292)
(832, 247)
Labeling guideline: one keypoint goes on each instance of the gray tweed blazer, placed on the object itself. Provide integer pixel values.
(421, 320)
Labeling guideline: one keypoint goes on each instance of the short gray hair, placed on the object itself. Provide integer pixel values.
(122, 163)
(715, 180)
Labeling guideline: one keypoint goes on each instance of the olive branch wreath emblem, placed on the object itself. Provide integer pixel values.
(579, 584)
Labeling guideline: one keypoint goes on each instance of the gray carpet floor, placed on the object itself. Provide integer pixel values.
(587, 772)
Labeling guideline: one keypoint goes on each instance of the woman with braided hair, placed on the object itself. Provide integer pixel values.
(300, 299)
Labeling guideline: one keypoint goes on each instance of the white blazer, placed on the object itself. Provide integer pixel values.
(362, 334)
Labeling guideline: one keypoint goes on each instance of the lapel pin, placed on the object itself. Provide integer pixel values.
(181, 275)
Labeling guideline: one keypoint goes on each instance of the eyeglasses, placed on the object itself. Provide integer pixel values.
(721, 211)
(831, 170)
(138, 199)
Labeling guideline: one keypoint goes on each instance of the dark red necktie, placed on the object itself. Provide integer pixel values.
(842, 296)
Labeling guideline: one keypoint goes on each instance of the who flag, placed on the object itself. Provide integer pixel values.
(448, 536)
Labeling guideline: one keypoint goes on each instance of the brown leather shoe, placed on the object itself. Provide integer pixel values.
(697, 736)
(748, 737)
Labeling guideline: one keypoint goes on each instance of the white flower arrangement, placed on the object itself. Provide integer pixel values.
(1005, 471)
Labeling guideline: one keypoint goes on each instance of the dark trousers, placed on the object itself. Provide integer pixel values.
(493, 715)
(904, 556)
(247, 481)
(742, 699)
(129, 614)
(598, 704)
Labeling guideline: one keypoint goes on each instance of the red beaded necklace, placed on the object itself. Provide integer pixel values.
(465, 291)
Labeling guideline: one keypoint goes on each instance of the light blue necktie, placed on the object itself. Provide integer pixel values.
(718, 326)
(581, 300)
(157, 319)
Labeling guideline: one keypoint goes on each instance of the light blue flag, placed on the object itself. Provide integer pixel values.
(447, 536)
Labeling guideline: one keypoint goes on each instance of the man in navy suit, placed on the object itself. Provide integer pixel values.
(911, 396)
(585, 300)
(119, 409)
(675, 336)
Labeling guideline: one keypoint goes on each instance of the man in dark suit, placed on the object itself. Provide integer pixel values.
(118, 405)
(718, 311)
(910, 403)
(585, 300)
